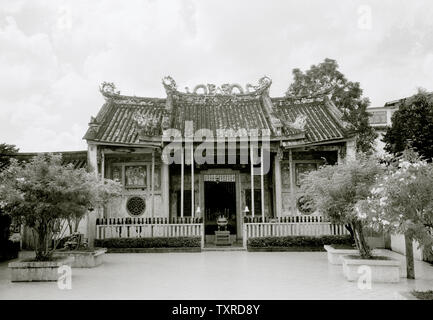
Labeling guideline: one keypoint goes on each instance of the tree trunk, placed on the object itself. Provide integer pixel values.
(350, 229)
(410, 266)
(70, 226)
(42, 245)
(361, 243)
(77, 223)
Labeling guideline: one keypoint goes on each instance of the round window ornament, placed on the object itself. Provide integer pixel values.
(136, 206)
(304, 205)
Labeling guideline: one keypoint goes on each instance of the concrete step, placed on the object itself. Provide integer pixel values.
(225, 248)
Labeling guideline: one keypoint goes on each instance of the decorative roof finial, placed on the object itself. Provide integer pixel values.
(108, 88)
(211, 89)
(169, 84)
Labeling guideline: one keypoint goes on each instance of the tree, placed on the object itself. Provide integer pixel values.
(43, 194)
(402, 202)
(334, 191)
(325, 78)
(6, 151)
(412, 127)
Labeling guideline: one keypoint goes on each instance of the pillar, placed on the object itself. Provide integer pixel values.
(192, 182)
(92, 163)
(92, 158)
(153, 184)
(165, 189)
(292, 184)
(277, 185)
(252, 179)
(262, 186)
(351, 149)
(182, 177)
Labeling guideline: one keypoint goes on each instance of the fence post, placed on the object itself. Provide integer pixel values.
(244, 238)
(202, 235)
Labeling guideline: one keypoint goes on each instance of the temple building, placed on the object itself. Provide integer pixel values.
(213, 151)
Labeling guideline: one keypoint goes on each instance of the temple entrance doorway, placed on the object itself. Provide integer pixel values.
(219, 200)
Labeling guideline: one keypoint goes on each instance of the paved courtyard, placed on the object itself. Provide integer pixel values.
(213, 275)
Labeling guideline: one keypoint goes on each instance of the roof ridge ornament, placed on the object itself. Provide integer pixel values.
(169, 84)
(264, 84)
(108, 89)
(298, 124)
(211, 89)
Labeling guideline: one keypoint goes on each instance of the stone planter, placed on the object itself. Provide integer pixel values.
(381, 270)
(376, 242)
(38, 270)
(335, 255)
(84, 259)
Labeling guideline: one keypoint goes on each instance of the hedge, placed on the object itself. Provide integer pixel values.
(181, 242)
(9, 250)
(298, 241)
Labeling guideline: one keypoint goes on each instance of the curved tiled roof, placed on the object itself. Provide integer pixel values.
(77, 158)
(219, 112)
(138, 120)
(116, 120)
(321, 124)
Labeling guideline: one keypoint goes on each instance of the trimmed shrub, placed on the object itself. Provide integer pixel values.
(8, 249)
(181, 242)
(298, 241)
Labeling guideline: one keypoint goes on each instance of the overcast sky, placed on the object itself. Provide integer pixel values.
(54, 54)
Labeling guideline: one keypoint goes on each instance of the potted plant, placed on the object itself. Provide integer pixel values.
(402, 202)
(335, 191)
(84, 256)
(43, 195)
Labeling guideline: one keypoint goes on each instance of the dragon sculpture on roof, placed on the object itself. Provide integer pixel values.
(224, 89)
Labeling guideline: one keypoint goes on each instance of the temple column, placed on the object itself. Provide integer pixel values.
(262, 186)
(103, 213)
(292, 184)
(153, 185)
(351, 149)
(192, 181)
(252, 179)
(277, 185)
(92, 162)
(102, 164)
(92, 158)
(165, 188)
(182, 177)
(340, 155)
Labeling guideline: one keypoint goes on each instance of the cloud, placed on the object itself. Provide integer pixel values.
(27, 63)
(55, 54)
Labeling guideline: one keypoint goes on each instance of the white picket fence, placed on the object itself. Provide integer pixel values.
(316, 227)
(104, 231)
(277, 229)
(286, 219)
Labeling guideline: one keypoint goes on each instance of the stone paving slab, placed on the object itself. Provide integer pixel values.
(214, 275)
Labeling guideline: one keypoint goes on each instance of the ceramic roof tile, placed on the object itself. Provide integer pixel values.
(77, 158)
(219, 112)
(320, 125)
(133, 120)
(116, 120)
